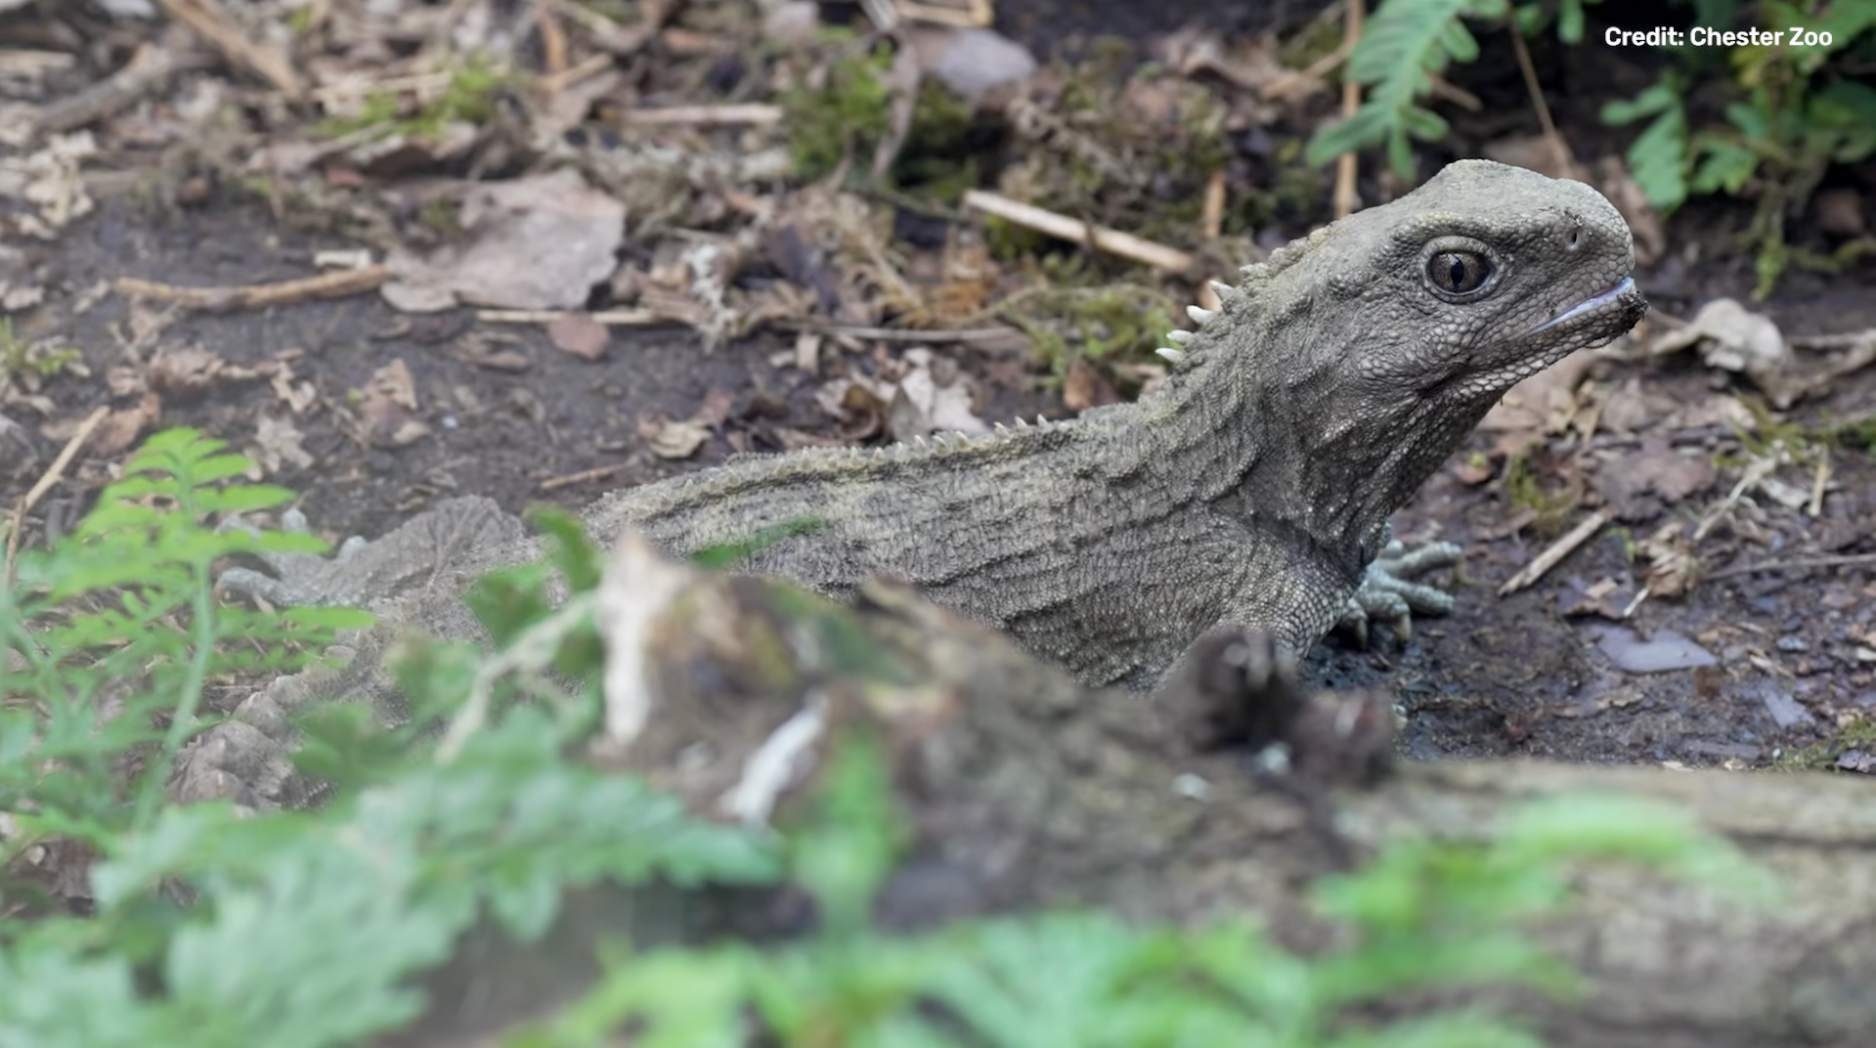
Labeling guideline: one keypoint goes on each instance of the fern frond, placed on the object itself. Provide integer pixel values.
(1405, 44)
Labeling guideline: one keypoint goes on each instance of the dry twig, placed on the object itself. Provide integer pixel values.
(1346, 201)
(207, 18)
(1551, 557)
(53, 474)
(609, 317)
(752, 113)
(1566, 164)
(258, 296)
(1100, 238)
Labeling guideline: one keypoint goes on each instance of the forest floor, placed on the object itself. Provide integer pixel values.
(728, 281)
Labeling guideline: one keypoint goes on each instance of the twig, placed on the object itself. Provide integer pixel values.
(553, 40)
(590, 66)
(139, 78)
(421, 83)
(609, 317)
(1841, 340)
(583, 476)
(1845, 560)
(1565, 162)
(885, 334)
(977, 15)
(207, 18)
(258, 296)
(754, 113)
(1292, 82)
(52, 476)
(1355, 17)
(1212, 212)
(1099, 238)
(1563, 547)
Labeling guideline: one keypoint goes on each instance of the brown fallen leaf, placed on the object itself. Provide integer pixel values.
(388, 406)
(1640, 483)
(1085, 387)
(580, 335)
(674, 440)
(192, 369)
(540, 242)
(1672, 567)
(278, 441)
(297, 397)
(121, 428)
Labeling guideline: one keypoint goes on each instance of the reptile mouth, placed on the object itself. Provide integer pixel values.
(1588, 306)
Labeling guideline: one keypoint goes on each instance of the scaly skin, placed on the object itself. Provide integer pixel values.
(1250, 494)
(1251, 491)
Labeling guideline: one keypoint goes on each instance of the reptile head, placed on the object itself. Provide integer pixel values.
(1488, 275)
(1378, 342)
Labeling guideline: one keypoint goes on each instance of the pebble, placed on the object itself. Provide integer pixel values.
(1666, 650)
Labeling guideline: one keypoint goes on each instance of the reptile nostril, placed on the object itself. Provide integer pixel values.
(1576, 238)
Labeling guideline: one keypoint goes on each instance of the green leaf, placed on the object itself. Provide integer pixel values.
(730, 553)
(1570, 22)
(1660, 98)
(1658, 160)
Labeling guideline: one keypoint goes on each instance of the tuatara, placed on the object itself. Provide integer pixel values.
(1250, 493)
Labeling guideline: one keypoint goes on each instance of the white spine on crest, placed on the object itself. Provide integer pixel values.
(1181, 337)
(1222, 290)
(1199, 316)
(1175, 355)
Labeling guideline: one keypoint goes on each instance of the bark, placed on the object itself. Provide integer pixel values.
(1029, 791)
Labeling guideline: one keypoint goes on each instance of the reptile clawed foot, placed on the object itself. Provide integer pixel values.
(1388, 591)
(291, 578)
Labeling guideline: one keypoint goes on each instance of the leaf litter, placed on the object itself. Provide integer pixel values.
(735, 170)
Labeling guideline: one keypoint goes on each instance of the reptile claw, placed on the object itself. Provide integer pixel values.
(1388, 591)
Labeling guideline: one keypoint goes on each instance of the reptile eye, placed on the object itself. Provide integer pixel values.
(1458, 272)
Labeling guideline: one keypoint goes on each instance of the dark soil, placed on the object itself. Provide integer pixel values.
(1504, 676)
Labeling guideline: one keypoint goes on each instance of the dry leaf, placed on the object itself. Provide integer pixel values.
(674, 440)
(534, 243)
(388, 408)
(192, 369)
(580, 335)
(120, 428)
(1085, 387)
(278, 441)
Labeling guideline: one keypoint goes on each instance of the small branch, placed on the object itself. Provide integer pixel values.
(1099, 238)
(566, 480)
(52, 476)
(1356, 16)
(976, 15)
(1566, 164)
(750, 113)
(1550, 558)
(610, 317)
(1212, 213)
(886, 334)
(207, 18)
(1846, 560)
(258, 296)
(140, 78)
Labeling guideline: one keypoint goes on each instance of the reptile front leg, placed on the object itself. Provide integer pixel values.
(1388, 590)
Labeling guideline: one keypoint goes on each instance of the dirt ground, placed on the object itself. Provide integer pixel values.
(1791, 653)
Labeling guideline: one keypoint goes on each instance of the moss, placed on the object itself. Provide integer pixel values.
(1822, 756)
(20, 356)
(1100, 323)
(1527, 491)
(846, 116)
(469, 97)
